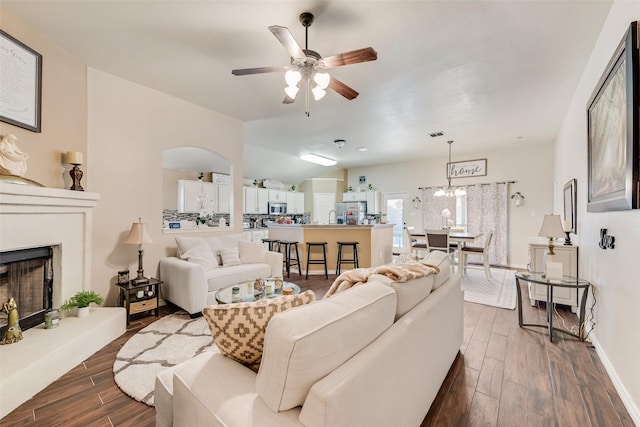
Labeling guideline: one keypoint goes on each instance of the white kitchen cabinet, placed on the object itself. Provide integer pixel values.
(224, 199)
(255, 200)
(277, 196)
(295, 203)
(568, 256)
(371, 197)
(190, 192)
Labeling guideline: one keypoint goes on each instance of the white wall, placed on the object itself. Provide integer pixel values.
(129, 126)
(613, 273)
(530, 165)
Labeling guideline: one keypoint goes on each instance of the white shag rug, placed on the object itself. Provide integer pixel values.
(498, 291)
(164, 343)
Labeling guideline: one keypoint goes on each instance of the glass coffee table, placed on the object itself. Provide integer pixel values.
(223, 296)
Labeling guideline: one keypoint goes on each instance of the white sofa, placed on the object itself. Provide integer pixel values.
(372, 355)
(192, 286)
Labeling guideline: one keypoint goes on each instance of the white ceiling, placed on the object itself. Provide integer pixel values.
(489, 74)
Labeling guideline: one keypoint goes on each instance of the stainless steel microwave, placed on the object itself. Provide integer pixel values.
(277, 208)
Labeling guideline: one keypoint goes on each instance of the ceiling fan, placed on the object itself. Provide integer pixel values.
(308, 67)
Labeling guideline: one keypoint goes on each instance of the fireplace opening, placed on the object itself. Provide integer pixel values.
(26, 275)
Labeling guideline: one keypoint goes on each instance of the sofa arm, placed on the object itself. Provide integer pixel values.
(184, 284)
(274, 259)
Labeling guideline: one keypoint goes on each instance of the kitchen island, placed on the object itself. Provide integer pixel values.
(375, 242)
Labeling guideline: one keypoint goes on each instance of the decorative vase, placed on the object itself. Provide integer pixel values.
(83, 311)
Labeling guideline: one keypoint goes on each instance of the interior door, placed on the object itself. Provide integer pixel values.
(394, 206)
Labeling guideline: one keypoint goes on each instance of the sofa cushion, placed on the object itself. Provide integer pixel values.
(251, 253)
(238, 329)
(186, 243)
(443, 261)
(201, 254)
(230, 257)
(304, 345)
(409, 293)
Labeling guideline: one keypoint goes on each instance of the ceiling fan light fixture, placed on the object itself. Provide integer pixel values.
(292, 77)
(291, 91)
(319, 160)
(322, 79)
(318, 93)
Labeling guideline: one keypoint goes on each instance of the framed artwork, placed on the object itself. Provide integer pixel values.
(20, 84)
(613, 129)
(467, 168)
(569, 196)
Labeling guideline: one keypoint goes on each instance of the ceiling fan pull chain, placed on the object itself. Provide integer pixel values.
(306, 111)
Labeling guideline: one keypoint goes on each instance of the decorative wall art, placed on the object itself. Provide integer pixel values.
(20, 83)
(467, 168)
(613, 127)
(569, 195)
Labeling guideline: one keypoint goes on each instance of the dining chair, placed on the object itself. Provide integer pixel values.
(414, 245)
(438, 240)
(465, 251)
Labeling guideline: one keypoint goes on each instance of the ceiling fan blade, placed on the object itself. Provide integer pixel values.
(343, 89)
(259, 70)
(352, 57)
(285, 37)
(288, 100)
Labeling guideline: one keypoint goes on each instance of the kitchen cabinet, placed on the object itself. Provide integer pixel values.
(295, 203)
(195, 196)
(278, 196)
(371, 197)
(255, 200)
(255, 236)
(568, 257)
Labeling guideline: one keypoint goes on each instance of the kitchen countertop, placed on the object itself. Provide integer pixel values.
(332, 225)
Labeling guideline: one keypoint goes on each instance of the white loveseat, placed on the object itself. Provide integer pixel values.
(191, 284)
(372, 355)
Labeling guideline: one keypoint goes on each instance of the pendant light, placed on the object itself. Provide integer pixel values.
(449, 192)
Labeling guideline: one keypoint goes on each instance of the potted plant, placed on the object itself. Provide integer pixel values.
(82, 300)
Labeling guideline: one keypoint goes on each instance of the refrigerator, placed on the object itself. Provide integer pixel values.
(350, 213)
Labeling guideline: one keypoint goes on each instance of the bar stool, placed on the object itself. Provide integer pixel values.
(354, 260)
(271, 242)
(322, 261)
(288, 261)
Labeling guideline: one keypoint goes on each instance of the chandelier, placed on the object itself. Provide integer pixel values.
(449, 191)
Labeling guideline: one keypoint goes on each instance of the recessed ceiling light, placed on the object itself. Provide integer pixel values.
(319, 160)
(363, 149)
(436, 134)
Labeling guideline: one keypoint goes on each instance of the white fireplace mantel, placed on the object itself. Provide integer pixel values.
(37, 216)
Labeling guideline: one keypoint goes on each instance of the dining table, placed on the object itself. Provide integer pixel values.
(460, 238)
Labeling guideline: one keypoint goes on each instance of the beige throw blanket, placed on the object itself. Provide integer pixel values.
(401, 272)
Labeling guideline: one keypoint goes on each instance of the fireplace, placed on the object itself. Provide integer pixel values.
(26, 275)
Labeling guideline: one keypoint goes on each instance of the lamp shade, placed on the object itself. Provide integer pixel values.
(138, 234)
(74, 157)
(551, 227)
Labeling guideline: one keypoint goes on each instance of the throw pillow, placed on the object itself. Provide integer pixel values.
(201, 254)
(252, 253)
(238, 329)
(186, 243)
(230, 257)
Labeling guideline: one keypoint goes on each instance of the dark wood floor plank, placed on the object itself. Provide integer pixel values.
(484, 411)
(490, 380)
(538, 382)
(497, 347)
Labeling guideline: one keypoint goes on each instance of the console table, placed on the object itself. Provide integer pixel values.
(567, 282)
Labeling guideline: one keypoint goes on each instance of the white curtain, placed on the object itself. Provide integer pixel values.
(432, 208)
(487, 212)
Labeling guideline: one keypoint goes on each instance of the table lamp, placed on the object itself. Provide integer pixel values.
(551, 228)
(139, 235)
(75, 158)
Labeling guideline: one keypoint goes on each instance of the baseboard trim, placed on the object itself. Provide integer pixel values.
(619, 386)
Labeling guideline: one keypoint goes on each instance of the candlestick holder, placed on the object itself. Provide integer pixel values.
(76, 176)
(567, 240)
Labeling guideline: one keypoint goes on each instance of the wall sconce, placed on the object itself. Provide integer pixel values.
(518, 197)
(416, 202)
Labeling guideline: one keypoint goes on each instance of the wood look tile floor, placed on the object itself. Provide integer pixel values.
(503, 376)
